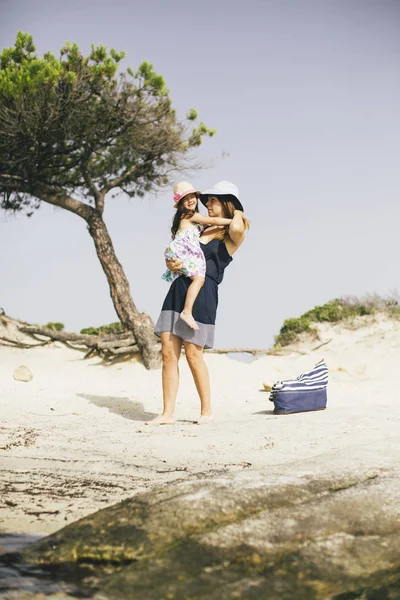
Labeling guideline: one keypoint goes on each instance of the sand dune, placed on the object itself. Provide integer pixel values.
(73, 440)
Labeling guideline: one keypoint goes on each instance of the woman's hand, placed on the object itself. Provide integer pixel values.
(174, 265)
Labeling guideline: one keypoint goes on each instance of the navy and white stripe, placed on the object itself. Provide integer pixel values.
(315, 379)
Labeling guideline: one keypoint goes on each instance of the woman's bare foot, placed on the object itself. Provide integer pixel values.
(205, 419)
(161, 420)
(188, 319)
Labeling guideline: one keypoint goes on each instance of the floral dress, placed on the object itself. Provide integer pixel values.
(186, 247)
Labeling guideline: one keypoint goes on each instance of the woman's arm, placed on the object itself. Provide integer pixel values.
(202, 220)
(174, 264)
(237, 228)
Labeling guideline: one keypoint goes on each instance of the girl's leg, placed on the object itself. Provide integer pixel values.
(195, 358)
(171, 351)
(192, 293)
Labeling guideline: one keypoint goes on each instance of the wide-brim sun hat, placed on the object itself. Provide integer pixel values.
(182, 189)
(227, 189)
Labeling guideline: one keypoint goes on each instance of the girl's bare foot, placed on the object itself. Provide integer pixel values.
(205, 419)
(161, 420)
(188, 319)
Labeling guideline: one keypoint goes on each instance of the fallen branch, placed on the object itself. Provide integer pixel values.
(253, 351)
(91, 352)
(18, 344)
(105, 345)
(320, 346)
(112, 345)
(91, 341)
(124, 349)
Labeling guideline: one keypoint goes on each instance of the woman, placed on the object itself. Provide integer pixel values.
(219, 243)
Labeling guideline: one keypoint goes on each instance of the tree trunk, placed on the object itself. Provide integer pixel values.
(140, 324)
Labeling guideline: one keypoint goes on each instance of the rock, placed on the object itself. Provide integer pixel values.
(318, 529)
(22, 373)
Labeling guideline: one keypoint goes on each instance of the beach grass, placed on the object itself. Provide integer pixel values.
(335, 311)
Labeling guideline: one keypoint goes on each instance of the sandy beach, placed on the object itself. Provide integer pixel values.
(73, 440)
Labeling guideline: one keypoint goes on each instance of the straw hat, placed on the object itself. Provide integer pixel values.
(223, 188)
(182, 189)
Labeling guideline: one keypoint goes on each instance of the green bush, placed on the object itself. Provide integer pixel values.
(331, 312)
(290, 329)
(56, 326)
(339, 309)
(104, 329)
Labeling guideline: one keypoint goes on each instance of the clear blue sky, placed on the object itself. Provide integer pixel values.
(305, 97)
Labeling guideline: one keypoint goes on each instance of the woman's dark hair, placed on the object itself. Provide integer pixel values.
(181, 213)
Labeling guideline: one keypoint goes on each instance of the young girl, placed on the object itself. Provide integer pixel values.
(187, 226)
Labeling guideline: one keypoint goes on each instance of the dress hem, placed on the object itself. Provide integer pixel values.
(169, 320)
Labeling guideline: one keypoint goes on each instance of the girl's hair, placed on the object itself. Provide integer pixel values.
(228, 209)
(182, 213)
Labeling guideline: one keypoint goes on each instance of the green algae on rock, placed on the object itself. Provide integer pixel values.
(312, 535)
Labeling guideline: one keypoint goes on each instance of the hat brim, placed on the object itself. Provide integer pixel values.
(235, 201)
(197, 193)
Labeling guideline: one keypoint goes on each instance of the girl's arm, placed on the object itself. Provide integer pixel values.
(237, 228)
(202, 220)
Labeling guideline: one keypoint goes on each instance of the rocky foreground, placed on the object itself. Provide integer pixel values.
(253, 505)
(328, 527)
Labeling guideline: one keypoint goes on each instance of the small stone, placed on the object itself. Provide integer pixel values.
(22, 373)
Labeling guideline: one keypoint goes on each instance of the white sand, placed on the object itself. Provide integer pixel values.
(73, 440)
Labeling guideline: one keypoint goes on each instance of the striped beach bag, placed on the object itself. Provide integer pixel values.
(307, 392)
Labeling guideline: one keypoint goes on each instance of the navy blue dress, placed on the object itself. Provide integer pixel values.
(205, 306)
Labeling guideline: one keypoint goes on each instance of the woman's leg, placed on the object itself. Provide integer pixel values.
(192, 293)
(171, 347)
(195, 358)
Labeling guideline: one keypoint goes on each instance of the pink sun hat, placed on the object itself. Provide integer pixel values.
(182, 189)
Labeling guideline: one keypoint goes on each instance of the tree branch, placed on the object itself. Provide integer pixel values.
(50, 194)
(61, 199)
(97, 194)
(118, 180)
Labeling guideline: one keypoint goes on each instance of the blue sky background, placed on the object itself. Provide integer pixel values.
(305, 97)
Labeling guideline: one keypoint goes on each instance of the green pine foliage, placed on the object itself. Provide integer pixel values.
(75, 124)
